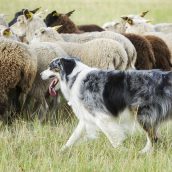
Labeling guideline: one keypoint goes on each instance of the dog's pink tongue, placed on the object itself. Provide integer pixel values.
(52, 90)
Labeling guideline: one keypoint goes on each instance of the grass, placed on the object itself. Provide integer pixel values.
(30, 146)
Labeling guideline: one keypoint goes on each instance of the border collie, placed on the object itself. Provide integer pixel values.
(104, 100)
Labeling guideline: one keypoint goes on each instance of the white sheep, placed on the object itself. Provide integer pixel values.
(80, 38)
(103, 53)
(52, 36)
(119, 26)
(144, 28)
(163, 27)
(45, 52)
(27, 24)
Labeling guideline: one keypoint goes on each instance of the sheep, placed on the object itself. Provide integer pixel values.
(161, 52)
(18, 67)
(45, 52)
(145, 55)
(163, 27)
(114, 26)
(147, 29)
(26, 25)
(138, 26)
(119, 26)
(103, 53)
(55, 19)
(141, 26)
(128, 46)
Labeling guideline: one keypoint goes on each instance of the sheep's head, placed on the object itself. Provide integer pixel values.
(47, 34)
(115, 26)
(19, 13)
(19, 28)
(55, 18)
(134, 16)
(138, 26)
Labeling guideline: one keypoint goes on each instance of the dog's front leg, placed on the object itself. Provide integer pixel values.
(76, 135)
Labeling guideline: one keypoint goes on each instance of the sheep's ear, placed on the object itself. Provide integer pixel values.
(35, 10)
(56, 28)
(125, 18)
(6, 32)
(54, 13)
(28, 15)
(69, 13)
(130, 21)
(143, 13)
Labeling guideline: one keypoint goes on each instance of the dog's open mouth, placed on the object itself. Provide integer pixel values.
(52, 86)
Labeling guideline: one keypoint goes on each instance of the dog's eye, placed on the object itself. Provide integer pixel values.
(56, 70)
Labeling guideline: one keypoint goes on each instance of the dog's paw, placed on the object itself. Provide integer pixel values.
(63, 148)
(146, 151)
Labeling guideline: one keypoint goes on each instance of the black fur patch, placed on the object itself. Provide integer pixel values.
(50, 19)
(114, 92)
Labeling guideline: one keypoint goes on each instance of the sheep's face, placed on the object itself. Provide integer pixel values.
(114, 26)
(46, 35)
(138, 26)
(19, 28)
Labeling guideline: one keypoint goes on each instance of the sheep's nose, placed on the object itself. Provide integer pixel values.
(41, 73)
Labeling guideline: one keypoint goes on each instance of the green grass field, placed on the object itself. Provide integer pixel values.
(32, 147)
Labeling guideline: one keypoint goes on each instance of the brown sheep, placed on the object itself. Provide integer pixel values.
(68, 26)
(18, 67)
(145, 55)
(161, 52)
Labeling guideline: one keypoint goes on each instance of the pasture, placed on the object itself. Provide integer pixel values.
(29, 146)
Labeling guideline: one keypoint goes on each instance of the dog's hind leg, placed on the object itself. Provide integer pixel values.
(76, 135)
(147, 119)
(113, 131)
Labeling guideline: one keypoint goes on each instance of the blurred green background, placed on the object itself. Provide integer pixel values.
(95, 11)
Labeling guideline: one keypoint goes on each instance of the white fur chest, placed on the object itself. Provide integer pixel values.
(74, 101)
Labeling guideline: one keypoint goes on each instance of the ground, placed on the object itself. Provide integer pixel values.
(29, 146)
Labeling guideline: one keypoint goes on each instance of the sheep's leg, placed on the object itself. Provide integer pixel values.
(15, 99)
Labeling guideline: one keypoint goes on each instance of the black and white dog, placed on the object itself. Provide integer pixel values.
(104, 100)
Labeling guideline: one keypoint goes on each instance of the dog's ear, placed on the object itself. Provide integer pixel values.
(35, 10)
(28, 15)
(69, 13)
(68, 64)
